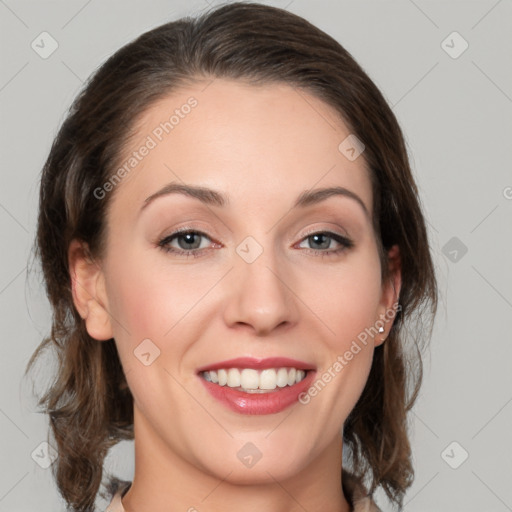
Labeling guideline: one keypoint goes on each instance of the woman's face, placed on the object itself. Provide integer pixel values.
(280, 276)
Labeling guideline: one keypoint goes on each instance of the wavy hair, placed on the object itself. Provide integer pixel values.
(89, 404)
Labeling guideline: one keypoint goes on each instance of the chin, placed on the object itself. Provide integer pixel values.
(261, 473)
(257, 462)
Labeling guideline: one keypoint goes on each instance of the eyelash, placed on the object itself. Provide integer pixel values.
(345, 242)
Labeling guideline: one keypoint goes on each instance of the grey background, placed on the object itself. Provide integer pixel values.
(456, 115)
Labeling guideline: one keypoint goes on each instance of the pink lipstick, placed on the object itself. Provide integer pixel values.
(257, 386)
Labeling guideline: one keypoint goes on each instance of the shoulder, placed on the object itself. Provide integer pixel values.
(357, 495)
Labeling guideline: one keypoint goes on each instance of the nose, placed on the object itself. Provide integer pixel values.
(261, 297)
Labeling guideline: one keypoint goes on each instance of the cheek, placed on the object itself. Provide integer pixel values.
(150, 299)
(145, 304)
(146, 298)
(347, 298)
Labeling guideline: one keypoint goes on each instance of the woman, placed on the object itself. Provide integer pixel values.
(233, 247)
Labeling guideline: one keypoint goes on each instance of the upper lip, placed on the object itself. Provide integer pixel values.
(258, 364)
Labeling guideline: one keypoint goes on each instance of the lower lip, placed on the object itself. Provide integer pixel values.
(259, 403)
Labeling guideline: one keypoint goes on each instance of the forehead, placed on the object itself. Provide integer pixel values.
(256, 143)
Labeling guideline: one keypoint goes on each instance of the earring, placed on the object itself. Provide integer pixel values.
(381, 330)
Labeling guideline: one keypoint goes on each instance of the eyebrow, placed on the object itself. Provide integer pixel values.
(214, 198)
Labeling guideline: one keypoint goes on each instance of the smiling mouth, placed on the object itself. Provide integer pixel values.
(250, 380)
(257, 386)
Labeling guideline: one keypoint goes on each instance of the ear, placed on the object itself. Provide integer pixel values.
(88, 289)
(389, 306)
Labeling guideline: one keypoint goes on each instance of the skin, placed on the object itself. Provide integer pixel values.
(261, 146)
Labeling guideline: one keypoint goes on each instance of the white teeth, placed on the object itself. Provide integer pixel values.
(282, 377)
(222, 377)
(268, 379)
(249, 379)
(233, 378)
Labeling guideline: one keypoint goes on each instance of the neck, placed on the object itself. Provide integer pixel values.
(164, 481)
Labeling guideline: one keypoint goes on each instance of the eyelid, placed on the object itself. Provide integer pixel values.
(334, 231)
(180, 231)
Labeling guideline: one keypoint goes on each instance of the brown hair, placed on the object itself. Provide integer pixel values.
(89, 403)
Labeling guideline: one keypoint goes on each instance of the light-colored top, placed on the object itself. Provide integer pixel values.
(353, 489)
